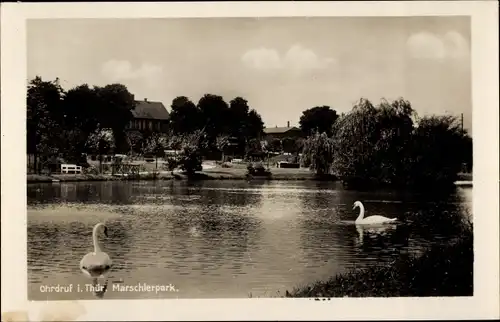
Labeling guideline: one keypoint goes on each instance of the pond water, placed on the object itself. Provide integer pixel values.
(219, 239)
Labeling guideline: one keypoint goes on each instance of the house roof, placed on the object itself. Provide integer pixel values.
(150, 110)
(280, 130)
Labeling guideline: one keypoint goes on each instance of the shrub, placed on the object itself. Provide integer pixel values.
(92, 170)
(257, 169)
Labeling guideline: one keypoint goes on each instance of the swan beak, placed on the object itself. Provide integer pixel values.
(106, 231)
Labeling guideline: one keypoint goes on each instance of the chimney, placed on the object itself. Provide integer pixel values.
(145, 100)
(287, 123)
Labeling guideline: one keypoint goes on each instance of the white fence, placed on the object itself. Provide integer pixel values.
(70, 168)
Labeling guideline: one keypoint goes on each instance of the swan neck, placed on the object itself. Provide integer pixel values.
(97, 247)
(361, 212)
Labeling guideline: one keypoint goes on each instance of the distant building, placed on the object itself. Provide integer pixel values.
(148, 115)
(282, 132)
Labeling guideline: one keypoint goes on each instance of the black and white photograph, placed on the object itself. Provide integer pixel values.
(263, 157)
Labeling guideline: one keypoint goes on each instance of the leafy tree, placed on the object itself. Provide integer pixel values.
(439, 149)
(101, 142)
(81, 108)
(215, 115)
(185, 116)
(255, 146)
(135, 141)
(238, 113)
(318, 153)
(222, 142)
(44, 114)
(318, 119)
(116, 104)
(193, 145)
(381, 144)
(255, 125)
(372, 141)
(274, 145)
(81, 119)
(155, 145)
(290, 145)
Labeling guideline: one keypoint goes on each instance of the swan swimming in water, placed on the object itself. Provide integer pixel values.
(371, 219)
(97, 263)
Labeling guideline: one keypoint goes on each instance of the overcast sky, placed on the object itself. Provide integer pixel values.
(282, 66)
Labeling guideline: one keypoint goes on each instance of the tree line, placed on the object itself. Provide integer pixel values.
(93, 120)
(386, 143)
(389, 144)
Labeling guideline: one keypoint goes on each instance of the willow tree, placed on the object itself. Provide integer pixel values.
(372, 141)
(318, 153)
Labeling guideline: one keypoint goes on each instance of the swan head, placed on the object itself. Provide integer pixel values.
(356, 205)
(100, 227)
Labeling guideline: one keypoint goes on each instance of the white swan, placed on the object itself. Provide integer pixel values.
(97, 263)
(371, 219)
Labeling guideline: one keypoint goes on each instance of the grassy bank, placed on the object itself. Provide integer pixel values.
(218, 173)
(441, 271)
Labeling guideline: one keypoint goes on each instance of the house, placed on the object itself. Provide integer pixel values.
(282, 132)
(148, 115)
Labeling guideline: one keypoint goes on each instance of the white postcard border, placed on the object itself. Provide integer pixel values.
(484, 303)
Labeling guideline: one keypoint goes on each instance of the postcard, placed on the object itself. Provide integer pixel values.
(268, 160)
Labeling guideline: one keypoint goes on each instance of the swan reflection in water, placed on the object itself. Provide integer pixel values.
(373, 231)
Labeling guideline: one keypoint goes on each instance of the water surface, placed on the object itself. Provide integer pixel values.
(218, 239)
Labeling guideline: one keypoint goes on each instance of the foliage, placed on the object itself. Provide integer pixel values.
(257, 169)
(215, 115)
(101, 142)
(291, 145)
(318, 119)
(185, 116)
(318, 153)
(155, 144)
(218, 119)
(441, 271)
(274, 145)
(255, 147)
(382, 145)
(372, 141)
(135, 140)
(439, 149)
(191, 158)
(44, 105)
(67, 124)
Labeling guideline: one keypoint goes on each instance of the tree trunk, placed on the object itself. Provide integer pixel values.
(35, 165)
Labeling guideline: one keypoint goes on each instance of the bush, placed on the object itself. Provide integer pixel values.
(257, 169)
(171, 164)
(226, 165)
(92, 170)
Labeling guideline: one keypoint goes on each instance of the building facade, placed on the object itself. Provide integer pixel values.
(149, 116)
(282, 132)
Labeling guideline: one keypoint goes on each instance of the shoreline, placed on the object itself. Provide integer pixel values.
(464, 180)
(451, 268)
